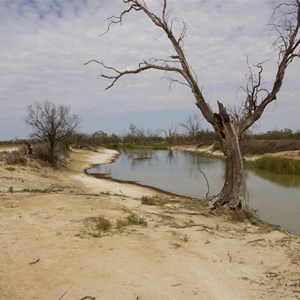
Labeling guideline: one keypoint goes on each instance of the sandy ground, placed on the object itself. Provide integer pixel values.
(50, 248)
(209, 150)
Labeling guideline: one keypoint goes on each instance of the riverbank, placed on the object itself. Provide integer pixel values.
(49, 249)
(209, 150)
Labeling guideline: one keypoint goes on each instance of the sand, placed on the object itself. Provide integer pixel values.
(50, 248)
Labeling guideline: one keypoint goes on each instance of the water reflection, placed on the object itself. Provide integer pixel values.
(288, 181)
(276, 197)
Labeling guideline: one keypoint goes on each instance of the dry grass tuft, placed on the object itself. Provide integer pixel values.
(15, 158)
(132, 219)
(154, 200)
(97, 225)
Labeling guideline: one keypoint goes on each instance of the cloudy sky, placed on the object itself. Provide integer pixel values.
(45, 43)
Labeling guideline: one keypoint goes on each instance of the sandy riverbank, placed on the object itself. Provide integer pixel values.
(209, 150)
(48, 250)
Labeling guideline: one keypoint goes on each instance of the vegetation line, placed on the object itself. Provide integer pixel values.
(278, 165)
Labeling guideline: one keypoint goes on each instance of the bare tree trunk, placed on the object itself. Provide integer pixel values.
(234, 192)
(51, 152)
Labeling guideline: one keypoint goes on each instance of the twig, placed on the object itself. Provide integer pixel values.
(122, 193)
(230, 257)
(176, 284)
(34, 262)
(62, 295)
(255, 241)
(204, 227)
(88, 297)
(207, 183)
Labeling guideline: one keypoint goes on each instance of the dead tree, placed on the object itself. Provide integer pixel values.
(192, 126)
(285, 23)
(170, 134)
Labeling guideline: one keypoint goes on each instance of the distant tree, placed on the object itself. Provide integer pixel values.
(51, 124)
(192, 126)
(134, 135)
(170, 134)
(229, 124)
(99, 137)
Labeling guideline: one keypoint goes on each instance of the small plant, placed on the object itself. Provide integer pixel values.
(132, 219)
(102, 224)
(107, 193)
(136, 220)
(122, 223)
(194, 204)
(11, 189)
(185, 238)
(97, 225)
(154, 200)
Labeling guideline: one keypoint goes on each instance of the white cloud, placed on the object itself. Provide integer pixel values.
(44, 44)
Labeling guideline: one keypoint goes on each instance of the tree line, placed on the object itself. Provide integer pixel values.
(54, 129)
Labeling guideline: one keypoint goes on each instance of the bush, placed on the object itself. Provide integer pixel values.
(41, 152)
(102, 224)
(97, 225)
(15, 157)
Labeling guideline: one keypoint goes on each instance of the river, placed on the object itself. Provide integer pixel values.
(276, 198)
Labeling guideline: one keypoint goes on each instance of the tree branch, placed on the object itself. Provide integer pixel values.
(286, 23)
(178, 64)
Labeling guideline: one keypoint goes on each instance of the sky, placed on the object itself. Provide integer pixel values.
(44, 45)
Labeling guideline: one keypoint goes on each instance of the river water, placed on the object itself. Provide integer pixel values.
(275, 197)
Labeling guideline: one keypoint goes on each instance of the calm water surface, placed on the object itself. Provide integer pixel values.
(276, 197)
